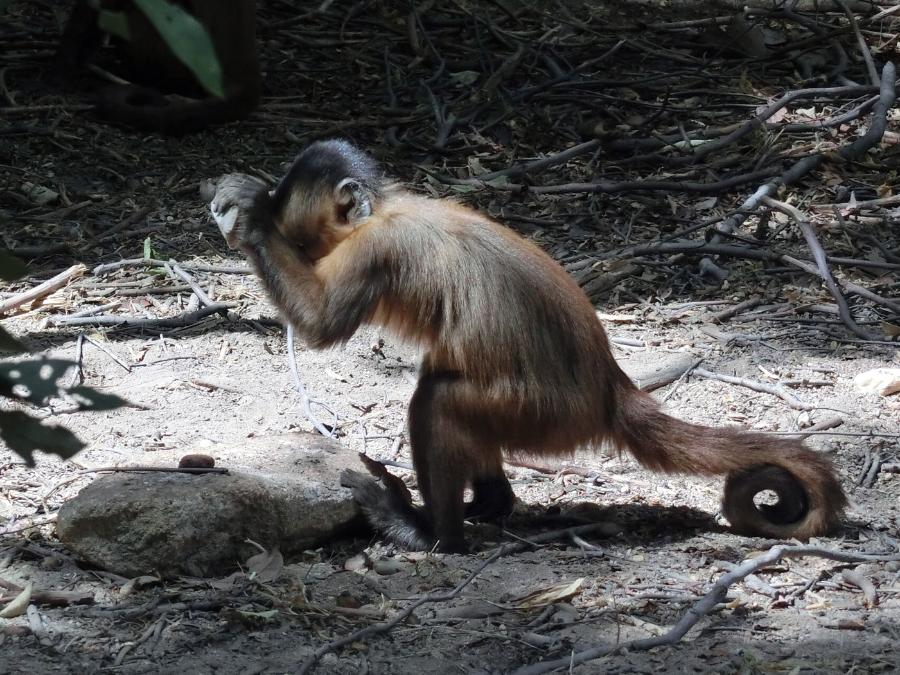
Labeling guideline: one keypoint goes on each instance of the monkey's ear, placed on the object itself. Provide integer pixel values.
(354, 201)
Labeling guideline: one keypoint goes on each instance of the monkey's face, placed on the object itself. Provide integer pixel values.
(329, 190)
(317, 215)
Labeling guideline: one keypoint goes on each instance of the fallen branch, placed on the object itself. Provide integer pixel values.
(774, 389)
(51, 598)
(611, 187)
(856, 578)
(849, 208)
(178, 321)
(757, 254)
(153, 262)
(886, 97)
(175, 271)
(818, 254)
(887, 94)
(749, 303)
(42, 290)
(824, 425)
(861, 41)
(704, 605)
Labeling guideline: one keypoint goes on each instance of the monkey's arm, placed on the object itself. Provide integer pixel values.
(326, 301)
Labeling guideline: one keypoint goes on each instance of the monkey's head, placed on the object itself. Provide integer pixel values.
(331, 187)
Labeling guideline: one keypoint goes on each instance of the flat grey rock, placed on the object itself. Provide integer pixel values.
(281, 491)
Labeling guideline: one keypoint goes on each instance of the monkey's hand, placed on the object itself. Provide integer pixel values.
(237, 206)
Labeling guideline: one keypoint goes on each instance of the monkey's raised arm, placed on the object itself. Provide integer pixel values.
(325, 301)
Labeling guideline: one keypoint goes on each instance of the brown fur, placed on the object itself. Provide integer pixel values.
(516, 359)
(160, 74)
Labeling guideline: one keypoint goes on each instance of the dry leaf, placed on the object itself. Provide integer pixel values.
(891, 329)
(706, 204)
(881, 381)
(360, 561)
(19, 604)
(549, 594)
(266, 566)
(225, 583)
(776, 117)
(465, 77)
(39, 194)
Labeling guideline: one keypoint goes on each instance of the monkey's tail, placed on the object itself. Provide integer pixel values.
(810, 498)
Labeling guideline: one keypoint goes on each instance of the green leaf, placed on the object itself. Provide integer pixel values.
(38, 376)
(9, 344)
(10, 266)
(25, 434)
(114, 23)
(188, 40)
(148, 249)
(90, 399)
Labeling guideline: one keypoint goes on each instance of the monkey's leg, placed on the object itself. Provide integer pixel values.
(446, 453)
(493, 498)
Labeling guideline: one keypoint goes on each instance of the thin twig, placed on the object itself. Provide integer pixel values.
(107, 351)
(177, 272)
(305, 401)
(818, 254)
(861, 41)
(749, 303)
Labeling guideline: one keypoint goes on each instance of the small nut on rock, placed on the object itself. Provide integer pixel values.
(196, 461)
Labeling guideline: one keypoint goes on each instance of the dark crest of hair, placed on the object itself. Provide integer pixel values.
(324, 164)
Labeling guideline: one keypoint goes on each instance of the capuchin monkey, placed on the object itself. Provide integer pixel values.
(515, 358)
(167, 97)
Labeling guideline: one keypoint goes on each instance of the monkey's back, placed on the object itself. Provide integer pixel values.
(491, 306)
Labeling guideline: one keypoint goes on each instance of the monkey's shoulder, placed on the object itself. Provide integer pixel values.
(413, 220)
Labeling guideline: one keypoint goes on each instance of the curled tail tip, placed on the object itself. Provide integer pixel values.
(810, 498)
(809, 505)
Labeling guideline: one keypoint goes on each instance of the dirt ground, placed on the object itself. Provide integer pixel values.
(121, 195)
